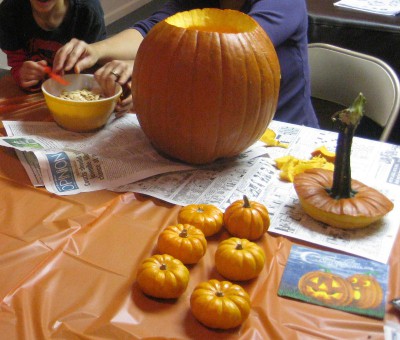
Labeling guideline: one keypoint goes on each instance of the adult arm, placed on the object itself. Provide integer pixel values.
(79, 55)
(280, 19)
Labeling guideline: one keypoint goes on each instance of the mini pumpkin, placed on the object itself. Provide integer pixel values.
(220, 304)
(367, 292)
(239, 259)
(326, 287)
(246, 219)
(184, 242)
(162, 276)
(207, 217)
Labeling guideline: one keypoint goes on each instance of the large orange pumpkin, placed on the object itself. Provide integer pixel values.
(205, 84)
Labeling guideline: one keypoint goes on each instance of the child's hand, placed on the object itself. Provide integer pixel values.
(31, 73)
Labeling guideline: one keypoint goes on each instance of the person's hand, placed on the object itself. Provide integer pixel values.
(31, 73)
(117, 71)
(77, 55)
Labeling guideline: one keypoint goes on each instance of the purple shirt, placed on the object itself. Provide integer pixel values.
(286, 23)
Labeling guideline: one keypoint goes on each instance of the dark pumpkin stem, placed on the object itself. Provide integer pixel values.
(239, 246)
(347, 121)
(246, 201)
(183, 233)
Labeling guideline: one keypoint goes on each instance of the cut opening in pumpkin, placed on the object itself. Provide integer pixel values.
(213, 20)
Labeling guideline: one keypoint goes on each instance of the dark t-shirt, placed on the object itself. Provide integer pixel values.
(22, 39)
(286, 23)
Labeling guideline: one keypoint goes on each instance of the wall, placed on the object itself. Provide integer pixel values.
(116, 9)
(3, 60)
(113, 10)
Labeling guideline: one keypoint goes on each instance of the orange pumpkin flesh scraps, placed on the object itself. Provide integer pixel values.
(334, 197)
(205, 84)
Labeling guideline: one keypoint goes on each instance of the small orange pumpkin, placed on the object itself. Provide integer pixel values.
(184, 242)
(215, 89)
(239, 259)
(220, 304)
(246, 219)
(326, 287)
(367, 292)
(162, 276)
(207, 217)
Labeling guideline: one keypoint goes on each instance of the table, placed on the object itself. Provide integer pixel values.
(68, 265)
(373, 34)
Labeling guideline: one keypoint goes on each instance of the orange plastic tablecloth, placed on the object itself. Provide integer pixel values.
(68, 266)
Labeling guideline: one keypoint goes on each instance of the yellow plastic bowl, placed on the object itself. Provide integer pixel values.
(75, 115)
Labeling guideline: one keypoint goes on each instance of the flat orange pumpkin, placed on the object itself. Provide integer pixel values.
(334, 197)
(205, 84)
(365, 207)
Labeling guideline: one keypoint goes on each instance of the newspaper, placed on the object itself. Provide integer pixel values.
(383, 7)
(69, 163)
(253, 173)
(373, 163)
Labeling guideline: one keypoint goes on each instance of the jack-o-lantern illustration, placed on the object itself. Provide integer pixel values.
(326, 287)
(367, 292)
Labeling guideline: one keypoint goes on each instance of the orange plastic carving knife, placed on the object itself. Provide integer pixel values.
(55, 76)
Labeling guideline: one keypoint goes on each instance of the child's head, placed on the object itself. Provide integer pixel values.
(49, 14)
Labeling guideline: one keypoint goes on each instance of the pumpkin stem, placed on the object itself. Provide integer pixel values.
(347, 121)
(183, 233)
(239, 246)
(246, 202)
(219, 294)
(163, 267)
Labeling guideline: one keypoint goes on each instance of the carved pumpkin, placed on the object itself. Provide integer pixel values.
(207, 217)
(326, 287)
(205, 84)
(246, 219)
(220, 304)
(184, 242)
(333, 197)
(367, 292)
(239, 259)
(162, 276)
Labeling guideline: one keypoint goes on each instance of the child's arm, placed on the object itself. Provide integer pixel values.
(27, 74)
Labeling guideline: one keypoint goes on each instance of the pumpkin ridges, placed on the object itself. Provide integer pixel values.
(202, 105)
(142, 91)
(224, 312)
(233, 108)
(245, 138)
(239, 264)
(168, 283)
(271, 69)
(188, 249)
